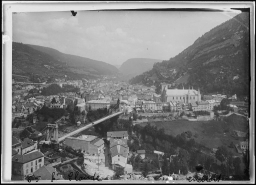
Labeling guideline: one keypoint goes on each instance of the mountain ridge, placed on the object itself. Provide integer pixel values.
(77, 62)
(135, 66)
(218, 61)
(50, 63)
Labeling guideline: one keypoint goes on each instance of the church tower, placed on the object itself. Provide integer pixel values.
(199, 95)
(188, 95)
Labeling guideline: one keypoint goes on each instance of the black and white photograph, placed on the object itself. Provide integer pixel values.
(128, 92)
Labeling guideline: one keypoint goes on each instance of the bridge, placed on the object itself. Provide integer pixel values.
(89, 125)
(52, 129)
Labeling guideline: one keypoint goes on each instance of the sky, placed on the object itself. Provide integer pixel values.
(116, 36)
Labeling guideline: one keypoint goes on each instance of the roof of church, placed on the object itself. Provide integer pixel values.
(180, 92)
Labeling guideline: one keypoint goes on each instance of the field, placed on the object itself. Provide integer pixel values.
(208, 133)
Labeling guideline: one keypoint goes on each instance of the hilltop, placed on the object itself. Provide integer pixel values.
(136, 66)
(218, 61)
(77, 64)
(37, 62)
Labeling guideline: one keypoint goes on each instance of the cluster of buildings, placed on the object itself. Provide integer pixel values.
(92, 146)
(93, 95)
(119, 150)
(28, 160)
(94, 149)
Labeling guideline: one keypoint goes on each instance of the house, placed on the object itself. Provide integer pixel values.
(173, 106)
(133, 99)
(157, 98)
(114, 142)
(97, 104)
(193, 106)
(149, 105)
(16, 145)
(202, 106)
(28, 145)
(19, 108)
(27, 164)
(142, 153)
(159, 106)
(30, 107)
(47, 173)
(244, 145)
(31, 133)
(119, 155)
(117, 135)
(166, 107)
(87, 143)
(128, 168)
(90, 97)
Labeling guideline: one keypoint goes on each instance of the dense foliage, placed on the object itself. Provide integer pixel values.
(50, 114)
(54, 89)
(105, 126)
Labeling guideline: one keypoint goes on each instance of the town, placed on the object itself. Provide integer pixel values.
(58, 128)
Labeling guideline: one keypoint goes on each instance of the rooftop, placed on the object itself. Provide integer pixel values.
(98, 101)
(27, 157)
(114, 142)
(87, 137)
(15, 140)
(119, 150)
(27, 143)
(180, 92)
(97, 142)
(117, 134)
(141, 151)
(203, 103)
(46, 173)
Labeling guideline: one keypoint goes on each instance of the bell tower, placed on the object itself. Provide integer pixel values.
(199, 95)
(188, 95)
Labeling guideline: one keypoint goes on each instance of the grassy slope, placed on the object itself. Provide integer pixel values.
(210, 134)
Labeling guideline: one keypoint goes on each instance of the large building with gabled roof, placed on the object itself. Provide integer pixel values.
(181, 95)
(28, 163)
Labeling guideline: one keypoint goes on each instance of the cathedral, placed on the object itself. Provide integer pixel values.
(180, 95)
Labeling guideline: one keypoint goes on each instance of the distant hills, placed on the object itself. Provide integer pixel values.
(42, 61)
(136, 66)
(218, 61)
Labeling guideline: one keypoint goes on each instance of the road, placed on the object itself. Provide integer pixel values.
(66, 162)
(89, 125)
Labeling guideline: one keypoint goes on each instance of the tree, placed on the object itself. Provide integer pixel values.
(145, 169)
(118, 102)
(80, 161)
(53, 101)
(246, 161)
(135, 116)
(119, 171)
(132, 160)
(137, 161)
(208, 162)
(165, 167)
(221, 154)
(224, 104)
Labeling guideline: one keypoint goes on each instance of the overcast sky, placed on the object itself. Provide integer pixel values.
(115, 37)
